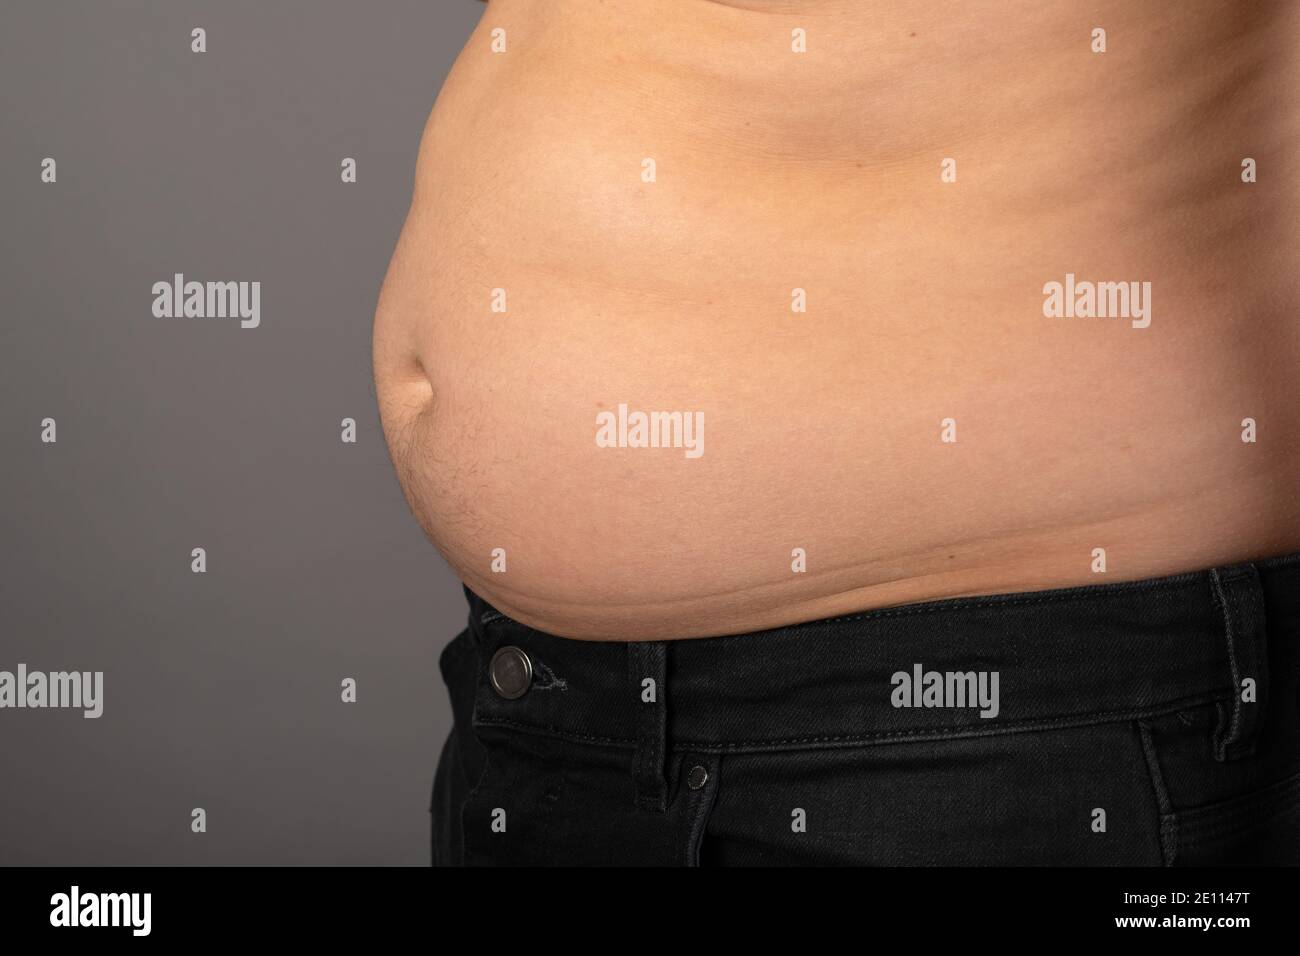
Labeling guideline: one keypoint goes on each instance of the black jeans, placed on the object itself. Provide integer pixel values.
(1148, 723)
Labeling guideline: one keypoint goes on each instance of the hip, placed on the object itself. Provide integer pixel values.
(1152, 723)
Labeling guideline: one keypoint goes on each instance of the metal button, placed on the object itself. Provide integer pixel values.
(697, 778)
(511, 672)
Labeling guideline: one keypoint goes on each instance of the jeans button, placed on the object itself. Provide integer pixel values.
(697, 778)
(511, 672)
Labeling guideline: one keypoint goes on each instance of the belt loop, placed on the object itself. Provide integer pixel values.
(647, 671)
(1240, 598)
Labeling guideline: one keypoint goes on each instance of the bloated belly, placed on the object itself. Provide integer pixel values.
(648, 372)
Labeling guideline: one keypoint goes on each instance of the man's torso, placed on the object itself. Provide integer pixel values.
(920, 429)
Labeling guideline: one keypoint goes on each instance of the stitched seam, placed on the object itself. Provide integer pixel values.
(1168, 823)
(658, 655)
(1228, 603)
(943, 733)
(1257, 635)
(955, 733)
(645, 660)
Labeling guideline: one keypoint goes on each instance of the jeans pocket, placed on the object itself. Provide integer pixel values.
(505, 819)
(1223, 812)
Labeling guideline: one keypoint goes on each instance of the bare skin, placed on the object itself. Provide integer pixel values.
(821, 171)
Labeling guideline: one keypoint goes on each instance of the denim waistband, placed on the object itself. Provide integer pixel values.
(1065, 657)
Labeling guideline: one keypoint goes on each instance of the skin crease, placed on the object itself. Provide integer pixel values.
(821, 171)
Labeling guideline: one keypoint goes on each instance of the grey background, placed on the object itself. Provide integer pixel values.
(222, 690)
